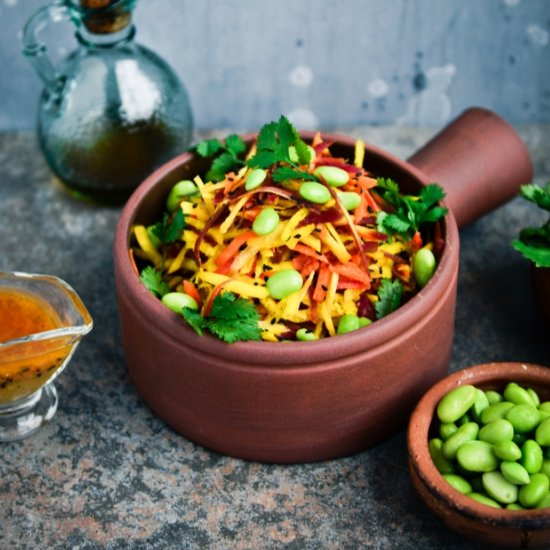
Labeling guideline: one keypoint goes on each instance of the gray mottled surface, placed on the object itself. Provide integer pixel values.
(106, 473)
(323, 63)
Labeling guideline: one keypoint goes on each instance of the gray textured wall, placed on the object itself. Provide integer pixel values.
(324, 63)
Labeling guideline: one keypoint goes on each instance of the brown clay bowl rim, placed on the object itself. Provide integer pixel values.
(420, 462)
(408, 316)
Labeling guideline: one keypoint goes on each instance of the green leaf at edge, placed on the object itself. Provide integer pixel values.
(152, 279)
(540, 256)
(389, 297)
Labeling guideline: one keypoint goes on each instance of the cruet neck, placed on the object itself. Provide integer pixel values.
(110, 19)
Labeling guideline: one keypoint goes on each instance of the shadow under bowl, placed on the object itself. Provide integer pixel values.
(479, 522)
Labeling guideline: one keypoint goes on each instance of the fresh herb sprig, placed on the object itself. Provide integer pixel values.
(276, 142)
(153, 281)
(409, 212)
(226, 155)
(534, 242)
(231, 319)
(169, 229)
(390, 295)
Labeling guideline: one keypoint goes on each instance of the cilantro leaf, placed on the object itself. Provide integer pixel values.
(152, 279)
(536, 194)
(539, 255)
(168, 230)
(409, 212)
(273, 146)
(231, 319)
(390, 295)
(209, 147)
(228, 155)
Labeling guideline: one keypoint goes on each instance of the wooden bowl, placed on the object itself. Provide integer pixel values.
(500, 527)
(307, 401)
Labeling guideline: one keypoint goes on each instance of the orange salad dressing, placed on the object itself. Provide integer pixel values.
(26, 366)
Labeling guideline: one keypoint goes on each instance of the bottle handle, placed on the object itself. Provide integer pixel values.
(35, 50)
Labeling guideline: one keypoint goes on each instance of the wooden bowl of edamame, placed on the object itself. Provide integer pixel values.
(314, 400)
(492, 485)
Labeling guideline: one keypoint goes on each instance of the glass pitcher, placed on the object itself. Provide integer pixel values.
(110, 112)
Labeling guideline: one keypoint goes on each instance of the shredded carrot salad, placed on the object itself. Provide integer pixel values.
(338, 256)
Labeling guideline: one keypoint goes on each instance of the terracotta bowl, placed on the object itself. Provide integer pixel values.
(503, 528)
(540, 283)
(309, 401)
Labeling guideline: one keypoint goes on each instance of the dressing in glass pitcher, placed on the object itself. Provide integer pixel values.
(112, 111)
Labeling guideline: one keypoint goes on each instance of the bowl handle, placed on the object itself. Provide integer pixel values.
(480, 161)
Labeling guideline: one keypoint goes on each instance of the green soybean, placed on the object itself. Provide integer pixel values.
(544, 502)
(423, 266)
(334, 176)
(478, 497)
(176, 301)
(350, 322)
(480, 403)
(283, 283)
(266, 221)
(516, 394)
(477, 456)
(349, 199)
(507, 450)
(498, 410)
(305, 335)
(534, 491)
(497, 430)
(523, 417)
(542, 434)
(545, 468)
(458, 482)
(499, 488)
(455, 403)
(514, 506)
(293, 155)
(545, 406)
(534, 396)
(514, 472)
(182, 189)
(446, 429)
(255, 179)
(314, 192)
(467, 432)
(531, 456)
(493, 397)
(443, 465)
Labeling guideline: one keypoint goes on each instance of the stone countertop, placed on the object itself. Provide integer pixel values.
(107, 473)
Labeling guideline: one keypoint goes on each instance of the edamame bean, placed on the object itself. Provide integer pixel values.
(542, 434)
(531, 456)
(351, 322)
(534, 396)
(545, 469)
(534, 491)
(514, 472)
(443, 465)
(314, 192)
(458, 482)
(293, 154)
(498, 430)
(477, 456)
(423, 266)
(266, 221)
(176, 301)
(467, 432)
(349, 199)
(514, 506)
(446, 429)
(493, 397)
(455, 403)
(545, 406)
(332, 175)
(523, 418)
(544, 502)
(498, 410)
(182, 189)
(516, 394)
(305, 335)
(478, 497)
(499, 488)
(480, 403)
(507, 450)
(283, 283)
(255, 179)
